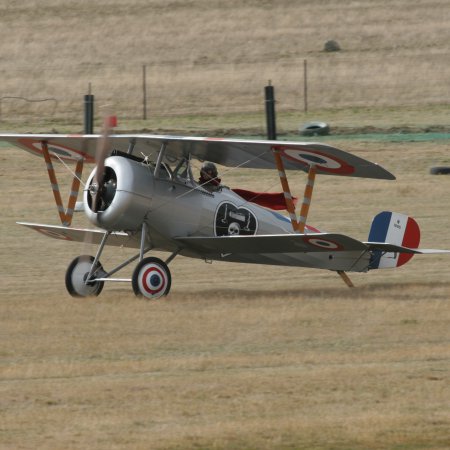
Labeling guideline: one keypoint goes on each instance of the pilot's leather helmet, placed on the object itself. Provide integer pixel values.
(209, 169)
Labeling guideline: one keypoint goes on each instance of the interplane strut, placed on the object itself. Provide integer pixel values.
(64, 214)
(286, 190)
(299, 225)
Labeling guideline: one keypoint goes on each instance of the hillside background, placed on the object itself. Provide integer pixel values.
(207, 62)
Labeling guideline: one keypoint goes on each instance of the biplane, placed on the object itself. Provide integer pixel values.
(142, 194)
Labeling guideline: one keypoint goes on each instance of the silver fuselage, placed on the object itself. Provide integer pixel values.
(175, 206)
(182, 210)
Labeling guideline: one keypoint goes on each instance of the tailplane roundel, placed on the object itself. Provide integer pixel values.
(393, 228)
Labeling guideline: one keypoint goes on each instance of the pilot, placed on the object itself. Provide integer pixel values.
(208, 177)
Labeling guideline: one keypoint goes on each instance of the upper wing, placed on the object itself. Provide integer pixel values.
(279, 243)
(255, 154)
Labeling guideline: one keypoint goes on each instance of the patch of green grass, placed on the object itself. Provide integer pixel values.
(343, 121)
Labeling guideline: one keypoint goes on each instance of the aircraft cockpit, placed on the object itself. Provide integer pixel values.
(178, 171)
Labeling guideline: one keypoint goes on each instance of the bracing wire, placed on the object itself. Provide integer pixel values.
(70, 170)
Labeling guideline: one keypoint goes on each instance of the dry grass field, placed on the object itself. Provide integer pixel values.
(208, 57)
(237, 357)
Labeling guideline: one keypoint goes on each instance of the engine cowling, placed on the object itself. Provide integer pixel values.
(125, 195)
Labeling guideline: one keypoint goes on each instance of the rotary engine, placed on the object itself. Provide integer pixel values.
(120, 199)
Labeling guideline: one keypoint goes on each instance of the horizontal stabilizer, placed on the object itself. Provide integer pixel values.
(118, 239)
(392, 248)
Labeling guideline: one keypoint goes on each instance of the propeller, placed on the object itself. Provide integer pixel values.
(101, 185)
(100, 191)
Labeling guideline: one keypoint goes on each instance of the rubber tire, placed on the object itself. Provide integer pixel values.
(76, 272)
(140, 276)
(442, 170)
(315, 129)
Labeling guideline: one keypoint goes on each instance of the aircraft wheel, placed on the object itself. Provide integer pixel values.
(315, 129)
(440, 170)
(76, 275)
(151, 278)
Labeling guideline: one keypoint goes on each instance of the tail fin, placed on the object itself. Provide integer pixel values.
(397, 229)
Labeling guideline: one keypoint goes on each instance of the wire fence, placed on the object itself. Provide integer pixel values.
(150, 90)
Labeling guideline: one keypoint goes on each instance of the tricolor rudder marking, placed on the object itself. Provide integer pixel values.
(397, 229)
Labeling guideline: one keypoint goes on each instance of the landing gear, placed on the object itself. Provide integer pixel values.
(78, 272)
(151, 278)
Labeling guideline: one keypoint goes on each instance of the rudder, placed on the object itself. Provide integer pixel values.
(393, 228)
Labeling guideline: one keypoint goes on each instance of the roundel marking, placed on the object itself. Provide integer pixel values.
(324, 162)
(323, 243)
(153, 280)
(313, 158)
(54, 234)
(63, 152)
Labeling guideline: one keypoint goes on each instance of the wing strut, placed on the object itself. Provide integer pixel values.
(286, 190)
(299, 225)
(307, 198)
(64, 214)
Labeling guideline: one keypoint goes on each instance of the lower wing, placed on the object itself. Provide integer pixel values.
(284, 243)
(331, 243)
(255, 244)
(280, 243)
(117, 238)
